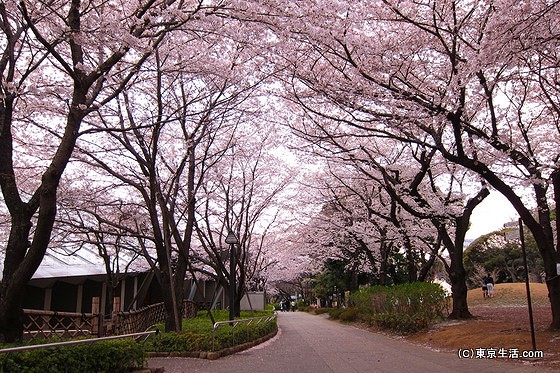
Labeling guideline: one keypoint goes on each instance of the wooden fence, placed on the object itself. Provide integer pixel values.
(44, 324)
(135, 321)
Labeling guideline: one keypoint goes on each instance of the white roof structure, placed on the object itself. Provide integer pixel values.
(62, 262)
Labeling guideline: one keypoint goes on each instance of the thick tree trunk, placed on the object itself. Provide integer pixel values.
(426, 267)
(456, 270)
(460, 308)
(169, 303)
(22, 257)
(12, 291)
(385, 249)
(11, 319)
(410, 262)
(553, 286)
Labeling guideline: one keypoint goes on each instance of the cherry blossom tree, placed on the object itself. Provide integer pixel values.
(184, 128)
(243, 195)
(471, 79)
(412, 180)
(96, 221)
(422, 195)
(78, 58)
(60, 62)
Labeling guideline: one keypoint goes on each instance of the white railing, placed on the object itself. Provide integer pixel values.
(81, 341)
(235, 323)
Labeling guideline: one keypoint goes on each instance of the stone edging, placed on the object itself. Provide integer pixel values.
(213, 355)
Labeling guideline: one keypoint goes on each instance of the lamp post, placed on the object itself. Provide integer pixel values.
(232, 240)
(527, 288)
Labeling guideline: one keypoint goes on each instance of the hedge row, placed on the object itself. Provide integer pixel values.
(225, 337)
(122, 355)
(405, 308)
(102, 357)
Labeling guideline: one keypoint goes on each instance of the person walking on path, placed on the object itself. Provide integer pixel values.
(490, 285)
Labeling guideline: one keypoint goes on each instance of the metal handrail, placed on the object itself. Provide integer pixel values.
(81, 341)
(234, 324)
(249, 321)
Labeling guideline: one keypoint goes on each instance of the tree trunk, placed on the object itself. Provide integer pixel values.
(410, 262)
(426, 267)
(23, 257)
(456, 270)
(553, 286)
(458, 278)
(11, 320)
(12, 291)
(169, 303)
(460, 308)
(385, 249)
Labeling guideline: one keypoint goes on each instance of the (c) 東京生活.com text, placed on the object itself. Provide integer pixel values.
(498, 353)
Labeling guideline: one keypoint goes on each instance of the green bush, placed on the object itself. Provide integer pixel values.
(406, 298)
(105, 356)
(403, 308)
(401, 322)
(197, 334)
(335, 312)
(349, 314)
(226, 336)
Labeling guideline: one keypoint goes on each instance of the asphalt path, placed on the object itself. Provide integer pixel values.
(307, 343)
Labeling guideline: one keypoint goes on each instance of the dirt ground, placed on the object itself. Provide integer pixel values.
(501, 322)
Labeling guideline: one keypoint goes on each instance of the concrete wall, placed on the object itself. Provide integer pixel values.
(258, 301)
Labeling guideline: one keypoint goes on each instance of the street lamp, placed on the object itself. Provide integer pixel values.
(527, 287)
(232, 240)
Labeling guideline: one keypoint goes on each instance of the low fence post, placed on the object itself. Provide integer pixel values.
(115, 315)
(96, 322)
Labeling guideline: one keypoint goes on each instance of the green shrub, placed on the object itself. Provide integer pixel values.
(349, 314)
(105, 356)
(401, 322)
(406, 298)
(183, 341)
(403, 308)
(335, 312)
(198, 335)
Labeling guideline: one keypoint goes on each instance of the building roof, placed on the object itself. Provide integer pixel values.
(63, 262)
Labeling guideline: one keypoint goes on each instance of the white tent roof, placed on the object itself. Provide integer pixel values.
(83, 262)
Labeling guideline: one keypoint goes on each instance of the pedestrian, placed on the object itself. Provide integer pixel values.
(484, 287)
(490, 286)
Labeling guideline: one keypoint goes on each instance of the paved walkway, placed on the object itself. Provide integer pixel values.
(307, 343)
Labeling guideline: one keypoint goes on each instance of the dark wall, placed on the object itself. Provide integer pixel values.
(34, 298)
(91, 289)
(64, 297)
